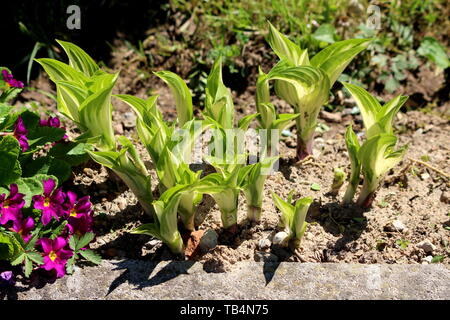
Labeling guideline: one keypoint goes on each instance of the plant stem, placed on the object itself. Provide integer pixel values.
(367, 195)
(254, 213)
(349, 193)
(304, 148)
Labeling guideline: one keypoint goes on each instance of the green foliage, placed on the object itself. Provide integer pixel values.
(292, 220)
(78, 245)
(10, 170)
(377, 155)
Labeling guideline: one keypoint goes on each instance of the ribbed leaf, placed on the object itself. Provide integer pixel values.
(60, 71)
(285, 49)
(183, 97)
(336, 57)
(78, 59)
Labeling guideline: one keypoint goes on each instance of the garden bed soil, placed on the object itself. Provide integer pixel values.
(408, 223)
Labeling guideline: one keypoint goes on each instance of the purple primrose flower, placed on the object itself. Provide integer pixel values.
(50, 203)
(10, 206)
(20, 133)
(55, 256)
(10, 81)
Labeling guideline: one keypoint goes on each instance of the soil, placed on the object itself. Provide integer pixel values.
(412, 193)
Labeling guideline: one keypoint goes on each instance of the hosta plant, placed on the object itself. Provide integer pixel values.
(304, 82)
(377, 154)
(254, 187)
(338, 181)
(84, 96)
(169, 148)
(293, 220)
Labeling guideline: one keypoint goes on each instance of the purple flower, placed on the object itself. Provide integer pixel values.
(78, 213)
(24, 227)
(55, 256)
(53, 122)
(20, 133)
(6, 279)
(50, 203)
(10, 206)
(8, 77)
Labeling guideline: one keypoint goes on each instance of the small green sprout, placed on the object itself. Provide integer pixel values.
(402, 243)
(338, 181)
(292, 220)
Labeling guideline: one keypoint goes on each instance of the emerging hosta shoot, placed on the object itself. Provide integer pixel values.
(353, 147)
(304, 82)
(130, 168)
(377, 155)
(165, 226)
(254, 187)
(292, 220)
(338, 181)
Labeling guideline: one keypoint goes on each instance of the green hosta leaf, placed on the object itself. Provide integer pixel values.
(183, 97)
(285, 49)
(299, 223)
(91, 256)
(10, 169)
(219, 101)
(78, 59)
(286, 209)
(368, 105)
(353, 147)
(95, 114)
(58, 71)
(244, 122)
(377, 156)
(336, 57)
(70, 95)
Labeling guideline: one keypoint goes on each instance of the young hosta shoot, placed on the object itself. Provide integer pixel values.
(183, 97)
(168, 152)
(377, 157)
(306, 97)
(225, 187)
(268, 118)
(165, 226)
(353, 147)
(292, 220)
(377, 118)
(338, 181)
(219, 101)
(254, 187)
(84, 94)
(130, 168)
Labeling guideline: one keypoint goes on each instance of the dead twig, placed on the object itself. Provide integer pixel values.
(442, 173)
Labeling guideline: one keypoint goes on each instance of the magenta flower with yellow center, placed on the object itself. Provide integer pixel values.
(10, 206)
(55, 256)
(50, 203)
(24, 227)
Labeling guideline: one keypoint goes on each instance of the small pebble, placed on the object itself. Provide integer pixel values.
(426, 246)
(209, 240)
(264, 244)
(427, 259)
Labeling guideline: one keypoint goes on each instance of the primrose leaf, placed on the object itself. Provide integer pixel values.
(91, 256)
(33, 186)
(35, 257)
(10, 169)
(84, 240)
(48, 166)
